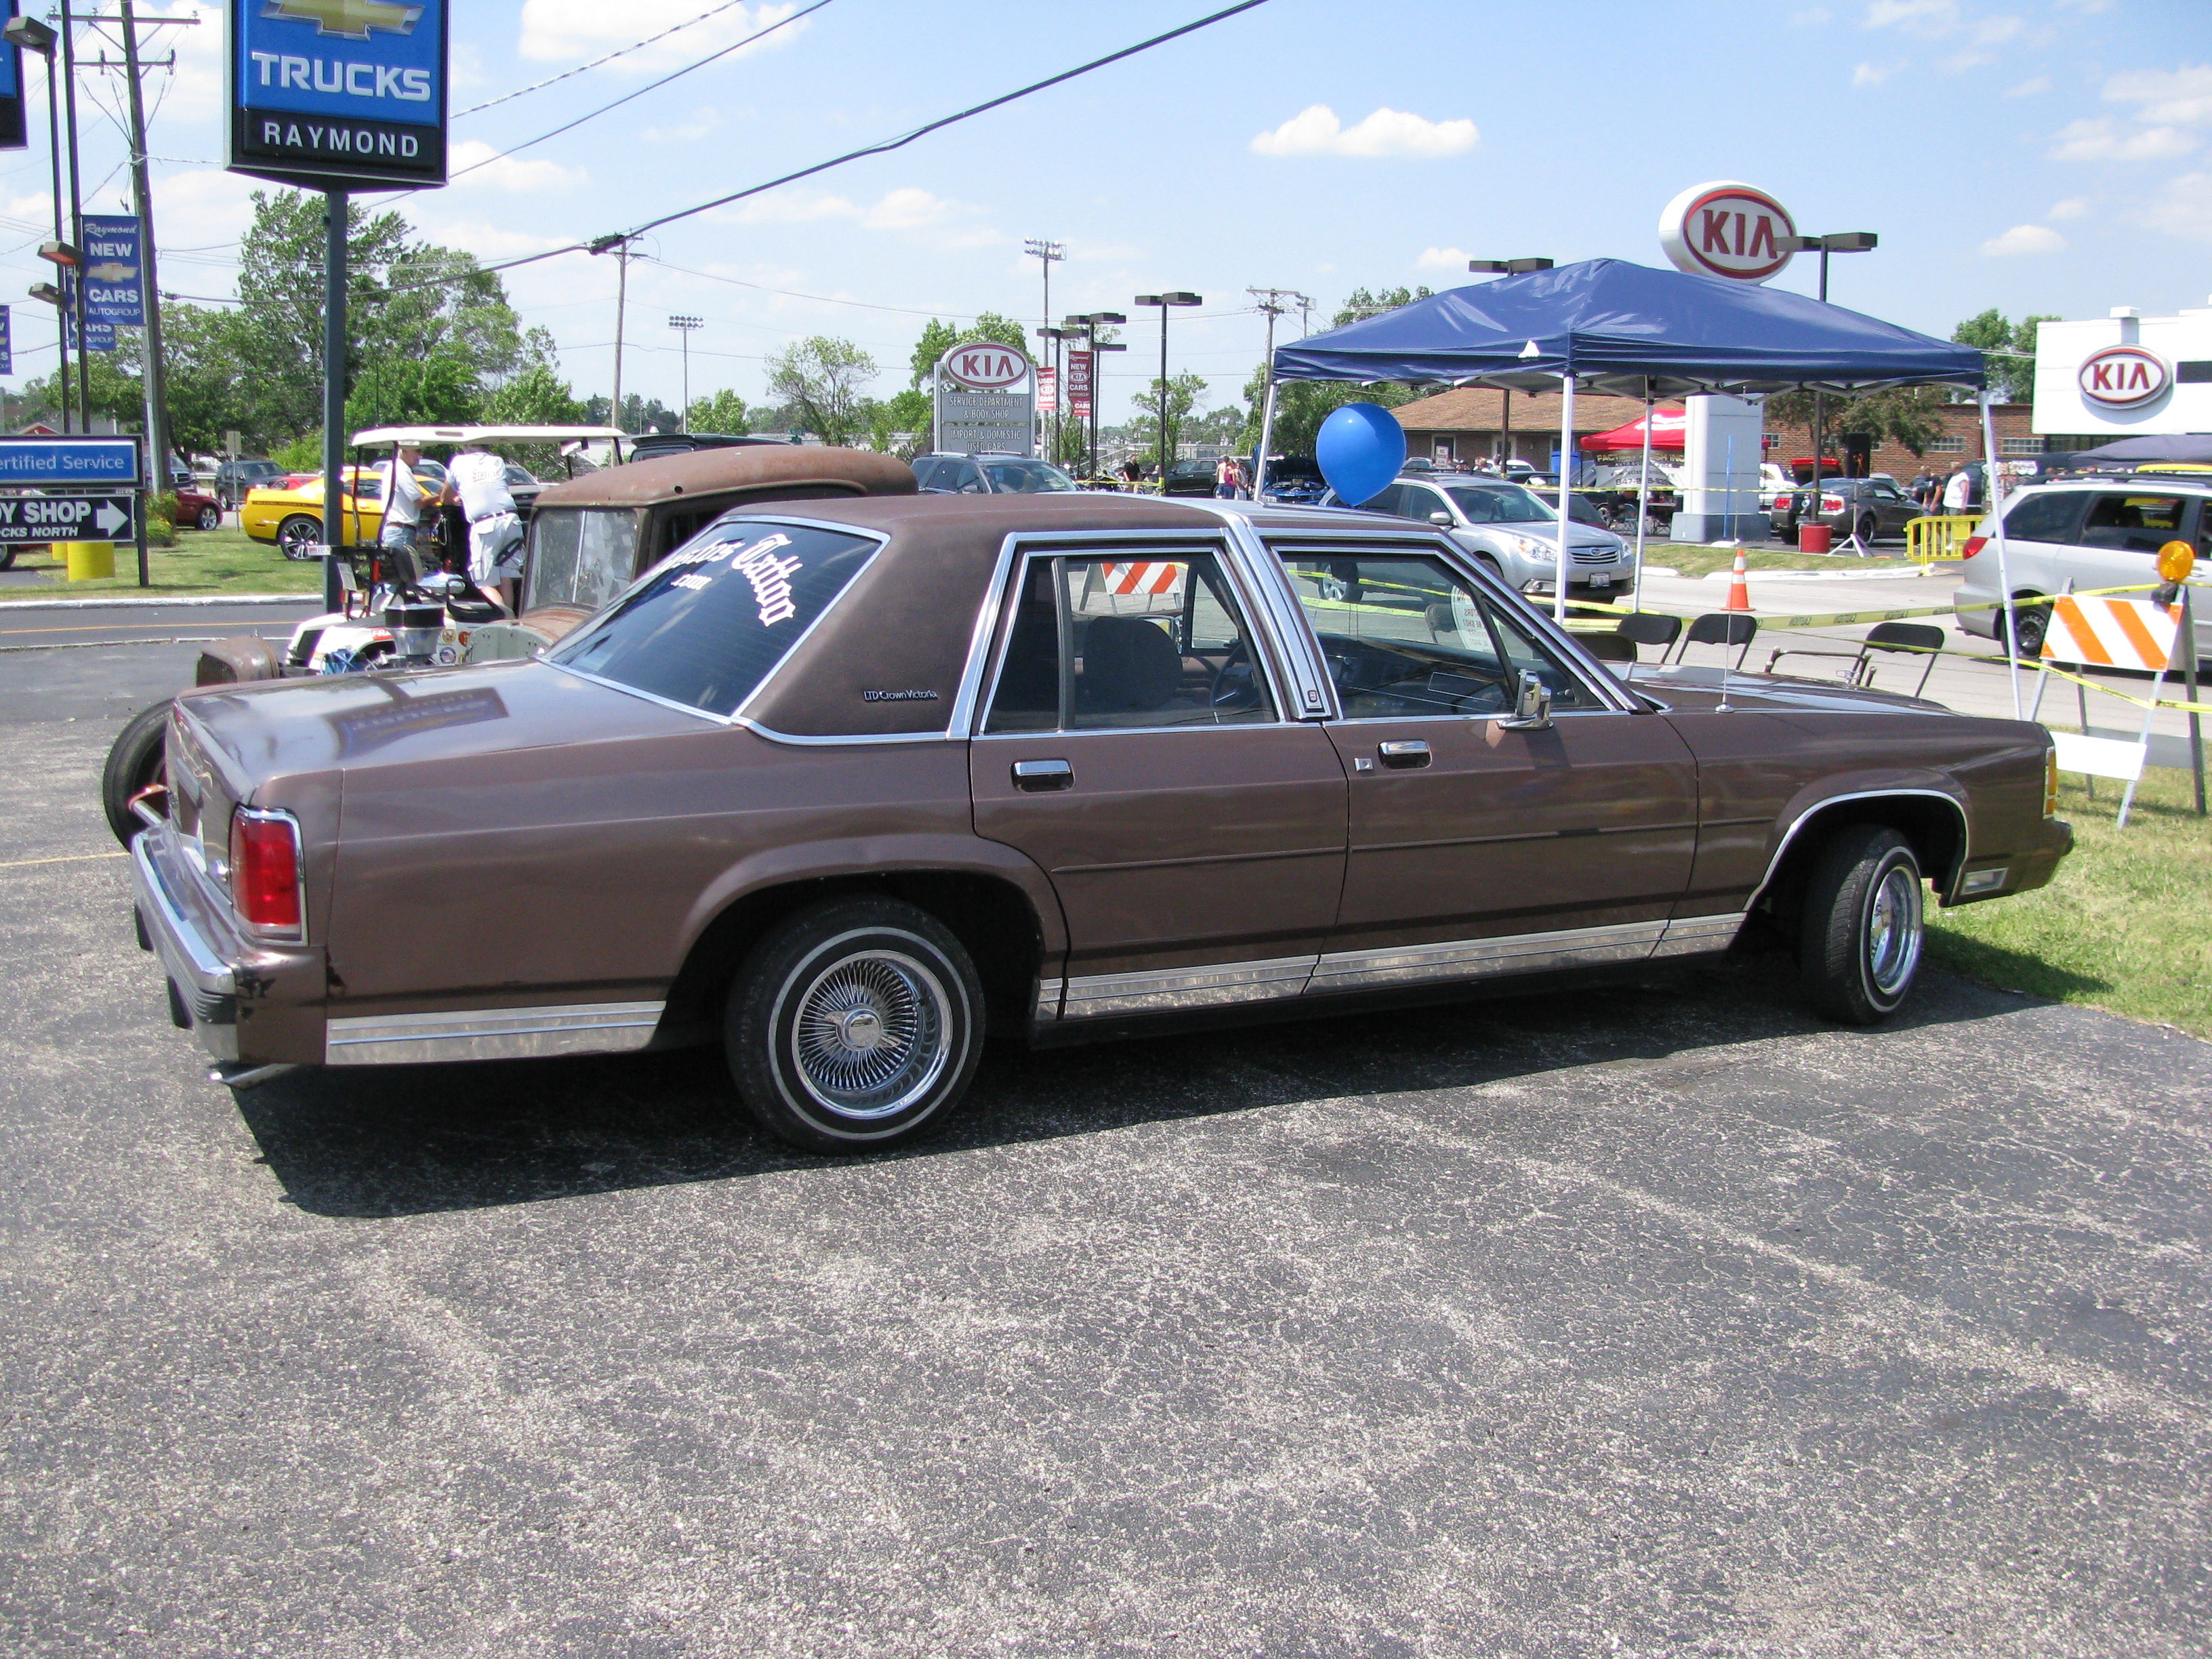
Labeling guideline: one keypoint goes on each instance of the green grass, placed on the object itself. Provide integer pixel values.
(202, 561)
(2125, 926)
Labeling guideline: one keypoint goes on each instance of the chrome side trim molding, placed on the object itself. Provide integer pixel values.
(1483, 958)
(1094, 995)
(1691, 936)
(589, 1027)
(1048, 993)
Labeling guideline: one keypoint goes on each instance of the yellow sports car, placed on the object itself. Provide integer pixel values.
(291, 515)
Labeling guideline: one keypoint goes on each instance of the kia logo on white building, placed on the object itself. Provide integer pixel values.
(987, 367)
(2123, 377)
(1727, 228)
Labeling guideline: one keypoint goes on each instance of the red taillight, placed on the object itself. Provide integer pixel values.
(1781, 503)
(1974, 544)
(1832, 503)
(264, 869)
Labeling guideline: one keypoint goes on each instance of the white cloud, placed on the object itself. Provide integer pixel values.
(489, 241)
(2030, 88)
(497, 172)
(2184, 208)
(2025, 239)
(2086, 8)
(559, 31)
(2096, 140)
(951, 224)
(1317, 130)
(1873, 75)
(1442, 258)
(703, 121)
(2177, 97)
(2072, 208)
(1996, 31)
(1959, 63)
(1930, 17)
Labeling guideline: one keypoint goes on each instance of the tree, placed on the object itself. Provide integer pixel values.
(1185, 392)
(820, 380)
(206, 375)
(908, 413)
(441, 388)
(2012, 349)
(1302, 405)
(724, 412)
(538, 396)
(1911, 416)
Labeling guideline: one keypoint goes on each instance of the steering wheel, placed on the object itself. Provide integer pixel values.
(1240, 693)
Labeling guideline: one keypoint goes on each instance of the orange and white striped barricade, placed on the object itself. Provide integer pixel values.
(2140, 634)
(1133, 587)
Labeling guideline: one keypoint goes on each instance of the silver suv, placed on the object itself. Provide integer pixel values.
(1509, 529)
(2096, 533)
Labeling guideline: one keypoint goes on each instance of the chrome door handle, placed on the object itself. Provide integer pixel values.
(1406, 755)
(1037, 776)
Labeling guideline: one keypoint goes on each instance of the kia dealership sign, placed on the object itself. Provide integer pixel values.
(987, 366)
(1727, 228)
(2123, 377)
(986, 400)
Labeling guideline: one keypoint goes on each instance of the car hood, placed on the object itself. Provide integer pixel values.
(352, 723)
(1698, 687)
(1578, 535)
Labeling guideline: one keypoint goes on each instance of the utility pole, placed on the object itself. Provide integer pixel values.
(1273, 303)
(153, 372)
(683, 325)
(1044, 252)
(619, 247)
(76, 219)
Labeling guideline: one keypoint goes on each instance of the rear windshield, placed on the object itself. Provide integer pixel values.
(1027, 478)
(711, 621)
(581, 555)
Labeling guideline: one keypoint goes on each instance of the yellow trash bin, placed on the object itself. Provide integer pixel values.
(88, 561)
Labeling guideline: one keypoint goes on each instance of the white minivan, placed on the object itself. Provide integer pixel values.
(2094, 533)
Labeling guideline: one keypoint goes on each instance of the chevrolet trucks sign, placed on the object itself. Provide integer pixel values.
(338, 94)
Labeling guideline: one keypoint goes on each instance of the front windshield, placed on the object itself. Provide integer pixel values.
(1027, 478)
(705, 628)
(1498, 504)
(581, 555)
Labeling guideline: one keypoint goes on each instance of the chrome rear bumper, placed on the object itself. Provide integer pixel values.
(206, 983)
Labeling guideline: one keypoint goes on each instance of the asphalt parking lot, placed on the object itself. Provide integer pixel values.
(1657, 1319)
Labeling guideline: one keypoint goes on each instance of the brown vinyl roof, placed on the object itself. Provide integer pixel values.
(766, 468)
(1478, 409)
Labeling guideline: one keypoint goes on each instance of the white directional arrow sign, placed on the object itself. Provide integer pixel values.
(110, 519)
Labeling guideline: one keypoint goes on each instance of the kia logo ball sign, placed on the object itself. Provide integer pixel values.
(1727, 228)
(986, 367)
(2123, 377)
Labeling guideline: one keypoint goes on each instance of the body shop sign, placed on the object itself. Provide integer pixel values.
(328, 95)
(986, 400)
(2124, 377)
(1727, 228)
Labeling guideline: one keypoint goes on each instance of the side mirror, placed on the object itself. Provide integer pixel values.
(1444, 518)
(1532, 708)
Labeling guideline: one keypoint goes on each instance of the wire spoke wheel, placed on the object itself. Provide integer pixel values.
(1893, 931)
(872, 1033)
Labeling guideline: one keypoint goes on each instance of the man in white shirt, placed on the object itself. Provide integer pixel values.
(403, 496)
(1958, 493)
(479, 480)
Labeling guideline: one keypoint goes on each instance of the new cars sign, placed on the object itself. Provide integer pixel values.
(986, 400)
(334, 94)
(1727, 228)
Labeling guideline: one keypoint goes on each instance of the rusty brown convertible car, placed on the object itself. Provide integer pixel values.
(842, 784)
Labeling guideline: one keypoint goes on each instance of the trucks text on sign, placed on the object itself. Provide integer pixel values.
(330, 93)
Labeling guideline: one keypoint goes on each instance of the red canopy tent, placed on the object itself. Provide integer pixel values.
(1668, 428)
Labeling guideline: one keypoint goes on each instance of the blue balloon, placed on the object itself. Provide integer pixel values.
(1360, 447)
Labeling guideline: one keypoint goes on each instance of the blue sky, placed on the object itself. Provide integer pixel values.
(2050, 156)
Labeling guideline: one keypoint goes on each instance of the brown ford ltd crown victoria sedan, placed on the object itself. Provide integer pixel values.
(839, 783)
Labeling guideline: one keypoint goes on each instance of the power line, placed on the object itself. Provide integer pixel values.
(506, 97)
(822, 299)
(783, 22)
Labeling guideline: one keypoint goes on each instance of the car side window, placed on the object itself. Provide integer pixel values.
(2050, 518)
(1384, 501)
(2133, 523)
(1419, 501)
(1128, 641)
(925, 473)
(1405, 635)
(967, 478)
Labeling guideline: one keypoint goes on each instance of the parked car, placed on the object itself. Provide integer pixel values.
(1190, 478)
(989, 475)
(1869, 507)
(649, 445)
(233, 479)
(197, 510)
(2089, 533)
(289, 512)
(845, 786)
(1509, 529)
(524, 485)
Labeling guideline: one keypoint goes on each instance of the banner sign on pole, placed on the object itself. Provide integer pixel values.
(98, 336)
(6, 344)
(114, 292)
(1079, 384)
(41, 461)
(1047, 400)
(339, 95)
(11, 93)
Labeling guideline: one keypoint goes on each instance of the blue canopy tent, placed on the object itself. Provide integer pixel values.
(1609, 326)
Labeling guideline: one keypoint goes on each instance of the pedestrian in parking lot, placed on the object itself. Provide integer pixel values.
(403, 496)
(1923, 491)
(478, 482)
(1958, 492)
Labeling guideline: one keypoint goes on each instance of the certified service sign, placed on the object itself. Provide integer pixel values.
(1727, 228)
(2124, 377)
(331, 94)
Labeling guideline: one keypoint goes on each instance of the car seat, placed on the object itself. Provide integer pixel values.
(1129, 666)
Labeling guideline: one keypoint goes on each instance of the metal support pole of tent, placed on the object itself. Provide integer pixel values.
(1266, 441)
(334, 369)
(1566, 460)
(1728, 467)
(1643, 504)
(2008, 626)
(1505, 430)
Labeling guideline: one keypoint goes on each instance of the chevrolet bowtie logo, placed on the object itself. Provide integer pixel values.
(350, 20)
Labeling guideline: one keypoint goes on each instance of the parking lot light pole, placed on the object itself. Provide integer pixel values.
(1091, 323)
(683, 325)
(31, 35)
(1840, 242)
(1163, 300)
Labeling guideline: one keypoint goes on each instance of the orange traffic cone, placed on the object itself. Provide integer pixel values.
(1738, 596)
